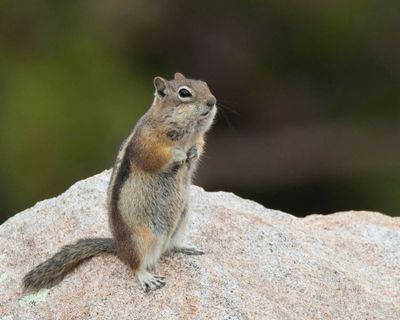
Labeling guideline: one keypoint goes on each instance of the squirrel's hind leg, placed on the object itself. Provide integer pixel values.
(141, 250)
(149, 246)
(178, 243)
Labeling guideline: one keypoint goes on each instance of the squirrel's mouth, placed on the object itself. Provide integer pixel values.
(207, 112)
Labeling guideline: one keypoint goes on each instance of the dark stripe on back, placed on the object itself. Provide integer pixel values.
(122, 175)
(121, 232)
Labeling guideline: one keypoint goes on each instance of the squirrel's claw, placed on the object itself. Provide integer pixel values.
(150, 282)
(188, 249)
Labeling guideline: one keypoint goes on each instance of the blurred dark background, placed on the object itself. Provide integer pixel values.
(311, 89)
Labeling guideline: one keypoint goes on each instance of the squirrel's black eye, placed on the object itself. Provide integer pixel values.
(184, 93)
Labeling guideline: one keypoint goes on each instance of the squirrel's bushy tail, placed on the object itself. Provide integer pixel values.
(56, 268)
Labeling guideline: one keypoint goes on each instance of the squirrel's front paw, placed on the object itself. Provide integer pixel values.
(193, 153)
(179, 156)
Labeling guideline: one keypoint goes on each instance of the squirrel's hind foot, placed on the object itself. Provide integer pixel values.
(188, 249)
(149, 281)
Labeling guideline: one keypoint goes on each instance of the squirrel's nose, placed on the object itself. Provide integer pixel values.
(211, 102)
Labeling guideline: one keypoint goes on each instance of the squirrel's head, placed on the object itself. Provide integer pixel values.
(186, 106)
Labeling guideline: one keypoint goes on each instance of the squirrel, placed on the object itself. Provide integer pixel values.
(147, 197)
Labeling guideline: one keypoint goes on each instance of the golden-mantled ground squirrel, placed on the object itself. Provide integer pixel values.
(149, 187)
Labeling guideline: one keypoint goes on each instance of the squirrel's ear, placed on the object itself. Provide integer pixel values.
(160, 84)
(179, 76)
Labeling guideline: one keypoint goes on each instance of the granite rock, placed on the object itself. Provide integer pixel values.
(259, 263)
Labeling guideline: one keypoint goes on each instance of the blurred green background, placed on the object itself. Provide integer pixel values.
(311, 90)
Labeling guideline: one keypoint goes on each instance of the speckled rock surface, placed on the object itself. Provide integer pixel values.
(259, 264)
